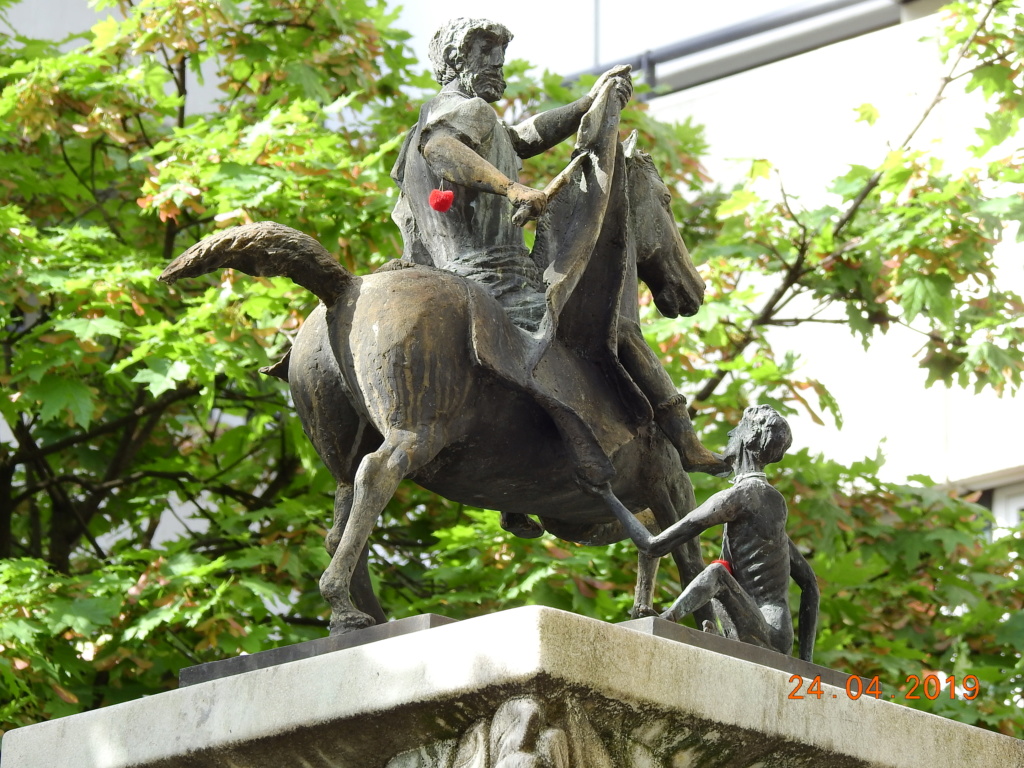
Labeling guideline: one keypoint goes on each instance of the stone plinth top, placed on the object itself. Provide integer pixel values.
(414, 700)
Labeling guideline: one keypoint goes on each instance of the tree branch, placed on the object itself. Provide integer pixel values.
(791, 278)
(165, 400)
(877, 176)
(795, 321)
(6, 511)
(63, 509)
(797, 271)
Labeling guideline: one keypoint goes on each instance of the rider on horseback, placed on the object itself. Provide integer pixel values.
(459, 140)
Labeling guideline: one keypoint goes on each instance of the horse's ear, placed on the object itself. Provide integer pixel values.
(629, 145)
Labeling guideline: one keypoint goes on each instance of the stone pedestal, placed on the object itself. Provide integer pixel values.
(528, 687)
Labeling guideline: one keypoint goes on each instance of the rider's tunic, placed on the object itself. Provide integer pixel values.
(476, 237)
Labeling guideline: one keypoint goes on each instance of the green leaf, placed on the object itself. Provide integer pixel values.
(992, 79)
(738, 202)
(1011, 631)
(57, 395)
(919, 293)
(162, 375)
(866, 113)
(760, 169)
(83, 615)
(104, 33)
(89, 328)
(20, 631)
(851, 569)
(1009, 207)
(158, 617)
(309, 79)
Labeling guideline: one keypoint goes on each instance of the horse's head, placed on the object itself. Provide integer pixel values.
(662, 260)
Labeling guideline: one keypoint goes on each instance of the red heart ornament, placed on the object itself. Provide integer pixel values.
(441, 200)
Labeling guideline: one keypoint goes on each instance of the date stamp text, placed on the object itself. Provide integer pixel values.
(930, 687)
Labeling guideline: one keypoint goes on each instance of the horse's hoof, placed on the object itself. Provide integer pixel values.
(710, 464)
(710, 628)
(350, 621)
(670, 615)
(642, 612)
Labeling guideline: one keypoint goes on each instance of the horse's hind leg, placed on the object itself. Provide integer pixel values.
(361, 587)
(377, 479)
(339, 434)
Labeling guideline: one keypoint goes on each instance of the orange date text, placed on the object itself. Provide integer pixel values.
(929, 687)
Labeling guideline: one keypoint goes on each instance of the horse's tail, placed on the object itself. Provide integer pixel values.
(265, 249)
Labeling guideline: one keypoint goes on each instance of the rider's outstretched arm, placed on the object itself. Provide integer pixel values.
(543, 131)
(803, 575)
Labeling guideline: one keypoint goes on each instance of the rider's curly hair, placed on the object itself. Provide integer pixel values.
(456, 35)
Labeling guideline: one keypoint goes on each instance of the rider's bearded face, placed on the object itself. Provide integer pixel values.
(481, 71)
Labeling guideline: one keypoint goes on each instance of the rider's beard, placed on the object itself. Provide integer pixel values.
(489, 86)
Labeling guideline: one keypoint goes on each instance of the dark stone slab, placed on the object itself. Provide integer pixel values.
(215, 670)
(744, 651)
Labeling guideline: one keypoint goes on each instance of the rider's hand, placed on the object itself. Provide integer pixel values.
(623, 83)
(529, 203)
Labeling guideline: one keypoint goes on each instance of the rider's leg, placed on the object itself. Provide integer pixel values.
(673, 418)
(669, 406)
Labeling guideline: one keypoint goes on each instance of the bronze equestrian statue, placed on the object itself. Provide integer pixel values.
(417, 372)
(531, 395)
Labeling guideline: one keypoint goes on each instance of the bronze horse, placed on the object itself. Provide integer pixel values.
(413, 372)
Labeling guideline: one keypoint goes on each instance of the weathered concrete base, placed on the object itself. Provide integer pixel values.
(529, 687)
(213, 670)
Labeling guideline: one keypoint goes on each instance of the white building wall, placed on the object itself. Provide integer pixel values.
(799, 114)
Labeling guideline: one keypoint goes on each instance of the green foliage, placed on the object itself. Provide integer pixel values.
(911, 585)
(126, 397)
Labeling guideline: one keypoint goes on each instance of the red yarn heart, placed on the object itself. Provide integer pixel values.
(441, 200)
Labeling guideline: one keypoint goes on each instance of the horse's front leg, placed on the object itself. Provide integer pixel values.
(676, 504)
(643, 597)
(646, 573)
